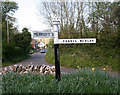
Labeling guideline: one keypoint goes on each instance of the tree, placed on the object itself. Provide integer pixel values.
(8, 9)
(67, 13)
(91, 19)
(23, 40)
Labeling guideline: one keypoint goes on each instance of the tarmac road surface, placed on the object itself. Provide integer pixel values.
(39, 59)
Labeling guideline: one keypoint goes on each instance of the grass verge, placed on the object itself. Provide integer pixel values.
(84, 81)
(15, 60)
(84, 57)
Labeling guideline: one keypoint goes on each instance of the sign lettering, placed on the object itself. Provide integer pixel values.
(73, 41)
(43, 34)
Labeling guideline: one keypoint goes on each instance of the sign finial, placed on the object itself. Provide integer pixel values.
(56, 20)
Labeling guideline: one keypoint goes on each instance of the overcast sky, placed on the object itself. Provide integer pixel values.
(27, 15)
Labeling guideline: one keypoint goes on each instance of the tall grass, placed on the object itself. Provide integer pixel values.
(84, 81)
(15, 60)
(83, 57)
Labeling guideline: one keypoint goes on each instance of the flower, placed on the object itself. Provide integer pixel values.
(77, 66)
(103, 68)
(93, 69)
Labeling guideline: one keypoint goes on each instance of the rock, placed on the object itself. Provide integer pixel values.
(41, 69)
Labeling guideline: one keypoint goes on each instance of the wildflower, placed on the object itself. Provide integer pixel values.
(80, 68)
(103, 68)
(77, 66)
(93, 69)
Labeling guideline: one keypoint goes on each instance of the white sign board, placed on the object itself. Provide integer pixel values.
(43, 34)
(73, 41)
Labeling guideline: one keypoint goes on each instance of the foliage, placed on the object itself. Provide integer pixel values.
(46, 45)
(23, 40)
(50, 59)
(51, 43)
(84, 81)
(82, 17)
(14, 60)
(8, 51)
(8, 9)
(85, 55)
(19, 50)
(98, 20)
(12, 53)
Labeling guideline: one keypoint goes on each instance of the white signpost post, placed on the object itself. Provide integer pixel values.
(64, 41)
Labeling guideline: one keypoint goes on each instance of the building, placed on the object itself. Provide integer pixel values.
(34, 43)
(41, 44)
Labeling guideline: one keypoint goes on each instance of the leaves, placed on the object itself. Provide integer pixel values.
(8, 7)
(23, 39)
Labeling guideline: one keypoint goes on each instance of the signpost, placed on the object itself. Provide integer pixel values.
(42, 34)
(74, 41)
(64, 41)
(57, 41)
(56, 49)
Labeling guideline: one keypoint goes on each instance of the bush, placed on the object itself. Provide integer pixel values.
(23, 40)
(50, 58)
(19, 52)
(51, 43)
(11, 53)
(8, 51)
(46, 45)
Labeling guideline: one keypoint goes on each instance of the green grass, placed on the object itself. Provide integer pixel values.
(15, 60)
(84, 56)
(84, 81)
(50, 58)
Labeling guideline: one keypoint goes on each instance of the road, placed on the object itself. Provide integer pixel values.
(39, 59)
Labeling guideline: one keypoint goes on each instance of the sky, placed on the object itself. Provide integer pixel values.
(27, 16)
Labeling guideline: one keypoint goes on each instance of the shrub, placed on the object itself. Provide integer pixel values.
(23, 40)
(51, 43)
(50, 58)
(18, 51)
(8, 51)
(11, 53)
